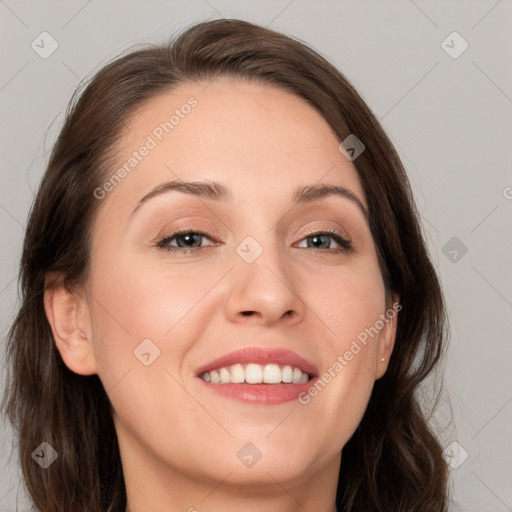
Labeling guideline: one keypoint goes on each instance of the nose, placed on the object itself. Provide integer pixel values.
(264, 291)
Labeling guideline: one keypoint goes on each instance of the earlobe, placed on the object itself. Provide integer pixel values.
(387, 337)
(68, 321)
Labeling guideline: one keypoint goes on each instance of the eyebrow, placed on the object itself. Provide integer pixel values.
(219, 192)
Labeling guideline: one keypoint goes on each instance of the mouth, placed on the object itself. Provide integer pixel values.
(255, 375)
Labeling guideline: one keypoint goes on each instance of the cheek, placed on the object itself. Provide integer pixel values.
(349, 304)
(132, 305)
(347, 301)
(133, 302)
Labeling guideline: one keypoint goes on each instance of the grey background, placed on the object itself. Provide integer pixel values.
(450, 119)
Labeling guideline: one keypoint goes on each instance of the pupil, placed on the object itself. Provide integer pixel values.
(318, 238)
(189, 240)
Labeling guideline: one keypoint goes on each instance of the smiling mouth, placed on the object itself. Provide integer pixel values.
(253, 373)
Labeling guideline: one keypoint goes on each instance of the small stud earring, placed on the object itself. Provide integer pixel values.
(382, 360)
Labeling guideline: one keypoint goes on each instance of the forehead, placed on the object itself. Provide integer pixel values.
(259, 140)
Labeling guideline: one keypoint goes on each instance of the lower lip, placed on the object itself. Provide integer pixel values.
(269, 394)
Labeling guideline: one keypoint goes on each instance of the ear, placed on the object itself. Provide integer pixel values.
(387, 335)
(69, 319)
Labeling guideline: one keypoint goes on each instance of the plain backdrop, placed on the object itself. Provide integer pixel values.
(446, 101)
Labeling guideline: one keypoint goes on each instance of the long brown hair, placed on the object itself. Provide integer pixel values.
(393, 461)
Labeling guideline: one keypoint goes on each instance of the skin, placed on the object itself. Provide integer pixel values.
(178, 440)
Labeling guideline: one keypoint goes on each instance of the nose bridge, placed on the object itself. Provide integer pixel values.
(260, 261)
(261, 284)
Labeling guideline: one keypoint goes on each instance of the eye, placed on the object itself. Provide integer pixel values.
(184, 240)
(187, 240)
(323, 240)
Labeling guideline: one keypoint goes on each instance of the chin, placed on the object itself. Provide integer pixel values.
(263, 461)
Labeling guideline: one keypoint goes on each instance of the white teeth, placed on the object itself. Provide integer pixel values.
(225, 376)
(237, 374)
(287, 373)
(256, 374)
(271, 374)
(297, 375)
(253, 374)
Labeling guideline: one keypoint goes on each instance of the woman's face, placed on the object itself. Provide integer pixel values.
(277, 266)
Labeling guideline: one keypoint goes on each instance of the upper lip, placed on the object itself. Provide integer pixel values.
(260, 355)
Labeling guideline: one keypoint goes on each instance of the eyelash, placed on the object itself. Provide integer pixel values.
(345, 244)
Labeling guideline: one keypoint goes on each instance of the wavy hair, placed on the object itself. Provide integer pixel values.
(393, 461)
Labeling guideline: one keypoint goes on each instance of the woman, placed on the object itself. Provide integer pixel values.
(227, 300)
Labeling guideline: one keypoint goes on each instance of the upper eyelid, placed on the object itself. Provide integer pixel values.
(326, 231)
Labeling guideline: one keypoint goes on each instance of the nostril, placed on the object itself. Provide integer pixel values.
(247, 313)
